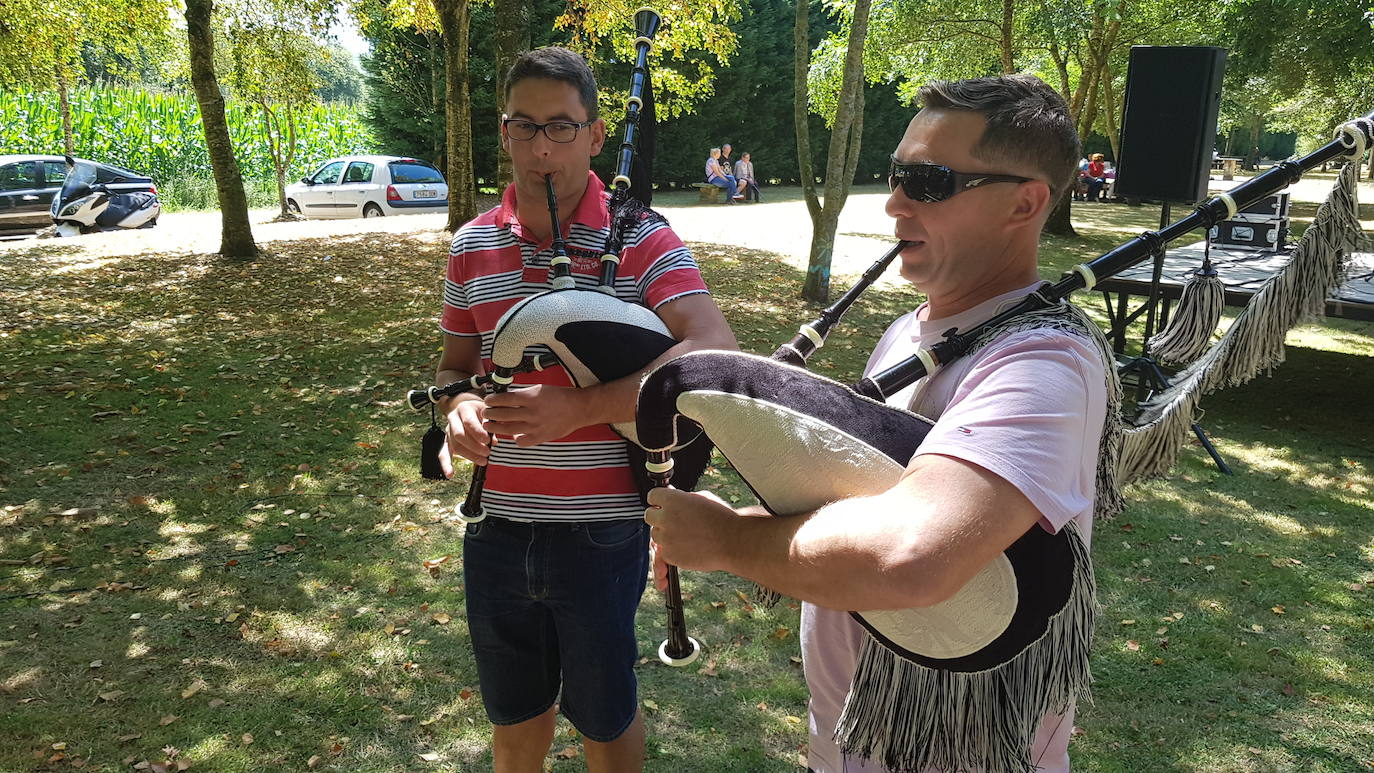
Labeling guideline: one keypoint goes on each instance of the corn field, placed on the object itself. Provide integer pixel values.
(159, 134)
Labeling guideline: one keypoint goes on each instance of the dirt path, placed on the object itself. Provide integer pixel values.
(779, 225)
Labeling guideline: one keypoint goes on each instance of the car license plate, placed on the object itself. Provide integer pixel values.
(426, 194)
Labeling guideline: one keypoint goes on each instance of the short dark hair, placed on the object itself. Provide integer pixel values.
(1028, 123)
(559, 64)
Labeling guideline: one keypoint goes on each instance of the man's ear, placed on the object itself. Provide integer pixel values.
(1030, 203)
(501, 129)
(598, 130)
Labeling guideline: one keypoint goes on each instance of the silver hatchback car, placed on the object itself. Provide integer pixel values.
(369, 186)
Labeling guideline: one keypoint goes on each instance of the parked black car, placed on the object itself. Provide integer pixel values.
(28, 184)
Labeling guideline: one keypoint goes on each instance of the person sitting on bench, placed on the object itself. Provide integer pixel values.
(717, 177)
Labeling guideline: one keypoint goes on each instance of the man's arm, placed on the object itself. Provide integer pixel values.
(539, 414)
(914, 545)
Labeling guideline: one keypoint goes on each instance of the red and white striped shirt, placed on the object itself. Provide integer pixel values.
(492, 265)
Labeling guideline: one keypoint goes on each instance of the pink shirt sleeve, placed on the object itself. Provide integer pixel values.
(1030, 410)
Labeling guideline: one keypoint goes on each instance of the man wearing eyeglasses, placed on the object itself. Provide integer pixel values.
(554, 574)
(1020, 425)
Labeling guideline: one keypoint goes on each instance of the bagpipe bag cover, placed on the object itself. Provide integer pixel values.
(801, 441)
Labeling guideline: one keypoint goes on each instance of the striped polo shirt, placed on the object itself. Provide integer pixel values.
(492, 265)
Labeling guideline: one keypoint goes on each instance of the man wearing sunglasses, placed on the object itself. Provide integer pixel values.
(554, 574)
(1021, 421)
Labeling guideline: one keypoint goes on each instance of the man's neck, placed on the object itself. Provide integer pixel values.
(941, 305)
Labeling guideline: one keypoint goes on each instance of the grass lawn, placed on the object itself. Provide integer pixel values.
(216, 552)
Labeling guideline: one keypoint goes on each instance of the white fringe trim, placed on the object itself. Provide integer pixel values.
(910, 718)
(1254, 344)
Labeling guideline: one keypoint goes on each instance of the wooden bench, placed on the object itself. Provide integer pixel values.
(708, 193)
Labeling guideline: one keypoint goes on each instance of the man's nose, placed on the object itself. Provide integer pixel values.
(898, 205)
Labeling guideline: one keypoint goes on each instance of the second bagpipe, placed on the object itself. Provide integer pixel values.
(801, 441)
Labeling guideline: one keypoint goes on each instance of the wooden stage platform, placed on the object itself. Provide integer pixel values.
(1242, 272)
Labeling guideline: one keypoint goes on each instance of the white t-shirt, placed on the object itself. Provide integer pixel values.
(1028, 407)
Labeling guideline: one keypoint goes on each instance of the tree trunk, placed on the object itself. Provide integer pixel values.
(236, 237)
(1252, 157)
(801, 63)
(454, 16)
(1110, 109)
(435, 58)
(844, 142)
(1060, 222)
(1008, 57)
(512, 38)
(65, 105)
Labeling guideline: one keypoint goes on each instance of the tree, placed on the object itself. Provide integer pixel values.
(274, 58)
(42, 43)
(845, 138)
(236, 235)
(512, 36)
(451, 18)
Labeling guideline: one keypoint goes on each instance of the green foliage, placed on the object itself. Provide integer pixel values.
(160, 134)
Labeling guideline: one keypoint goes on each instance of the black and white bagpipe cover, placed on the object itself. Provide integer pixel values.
(594, 335)
(962, 684)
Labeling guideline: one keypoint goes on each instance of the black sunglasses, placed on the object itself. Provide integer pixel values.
(922, 181)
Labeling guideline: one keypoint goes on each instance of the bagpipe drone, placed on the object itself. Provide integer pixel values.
(591, 333)
(961, 685)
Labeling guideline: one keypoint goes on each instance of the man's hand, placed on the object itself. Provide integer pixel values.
(466, 436)
(690, 530)
(539, 413)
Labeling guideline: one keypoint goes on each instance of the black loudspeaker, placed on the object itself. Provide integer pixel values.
(1170, 124)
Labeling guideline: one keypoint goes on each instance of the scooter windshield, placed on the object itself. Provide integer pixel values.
(78, 181)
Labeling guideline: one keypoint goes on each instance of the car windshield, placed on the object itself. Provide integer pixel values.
(83, 174)
(414, 172)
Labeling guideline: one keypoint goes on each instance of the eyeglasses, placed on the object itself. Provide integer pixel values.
(933, 182)
(556, 131)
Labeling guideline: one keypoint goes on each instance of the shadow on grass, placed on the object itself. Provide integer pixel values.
(213, 481)
(1235, 633)
(213, 526)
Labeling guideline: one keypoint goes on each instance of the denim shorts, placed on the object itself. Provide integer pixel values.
(552, 605)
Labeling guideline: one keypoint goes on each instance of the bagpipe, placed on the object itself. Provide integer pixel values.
(963, 684)
(594, 335)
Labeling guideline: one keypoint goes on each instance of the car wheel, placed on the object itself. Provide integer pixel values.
(293, 207)
(372, 210)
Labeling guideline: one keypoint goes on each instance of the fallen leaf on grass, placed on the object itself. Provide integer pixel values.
(313, 762)
(650, 705)
(167, 720)
(429, 756)
(1133, 646)
(216, 702)
(442, 619)
(195, 687)
(112, 695)
(247, 739)
(568, 753)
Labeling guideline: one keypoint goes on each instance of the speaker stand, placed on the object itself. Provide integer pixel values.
(1150, 378)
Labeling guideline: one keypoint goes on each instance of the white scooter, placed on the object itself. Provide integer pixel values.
(84, 206)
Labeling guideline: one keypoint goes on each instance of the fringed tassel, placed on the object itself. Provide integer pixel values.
(767, 597)
(911, 718)
(430, 444)
(1254, 343)
(1199, 311)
